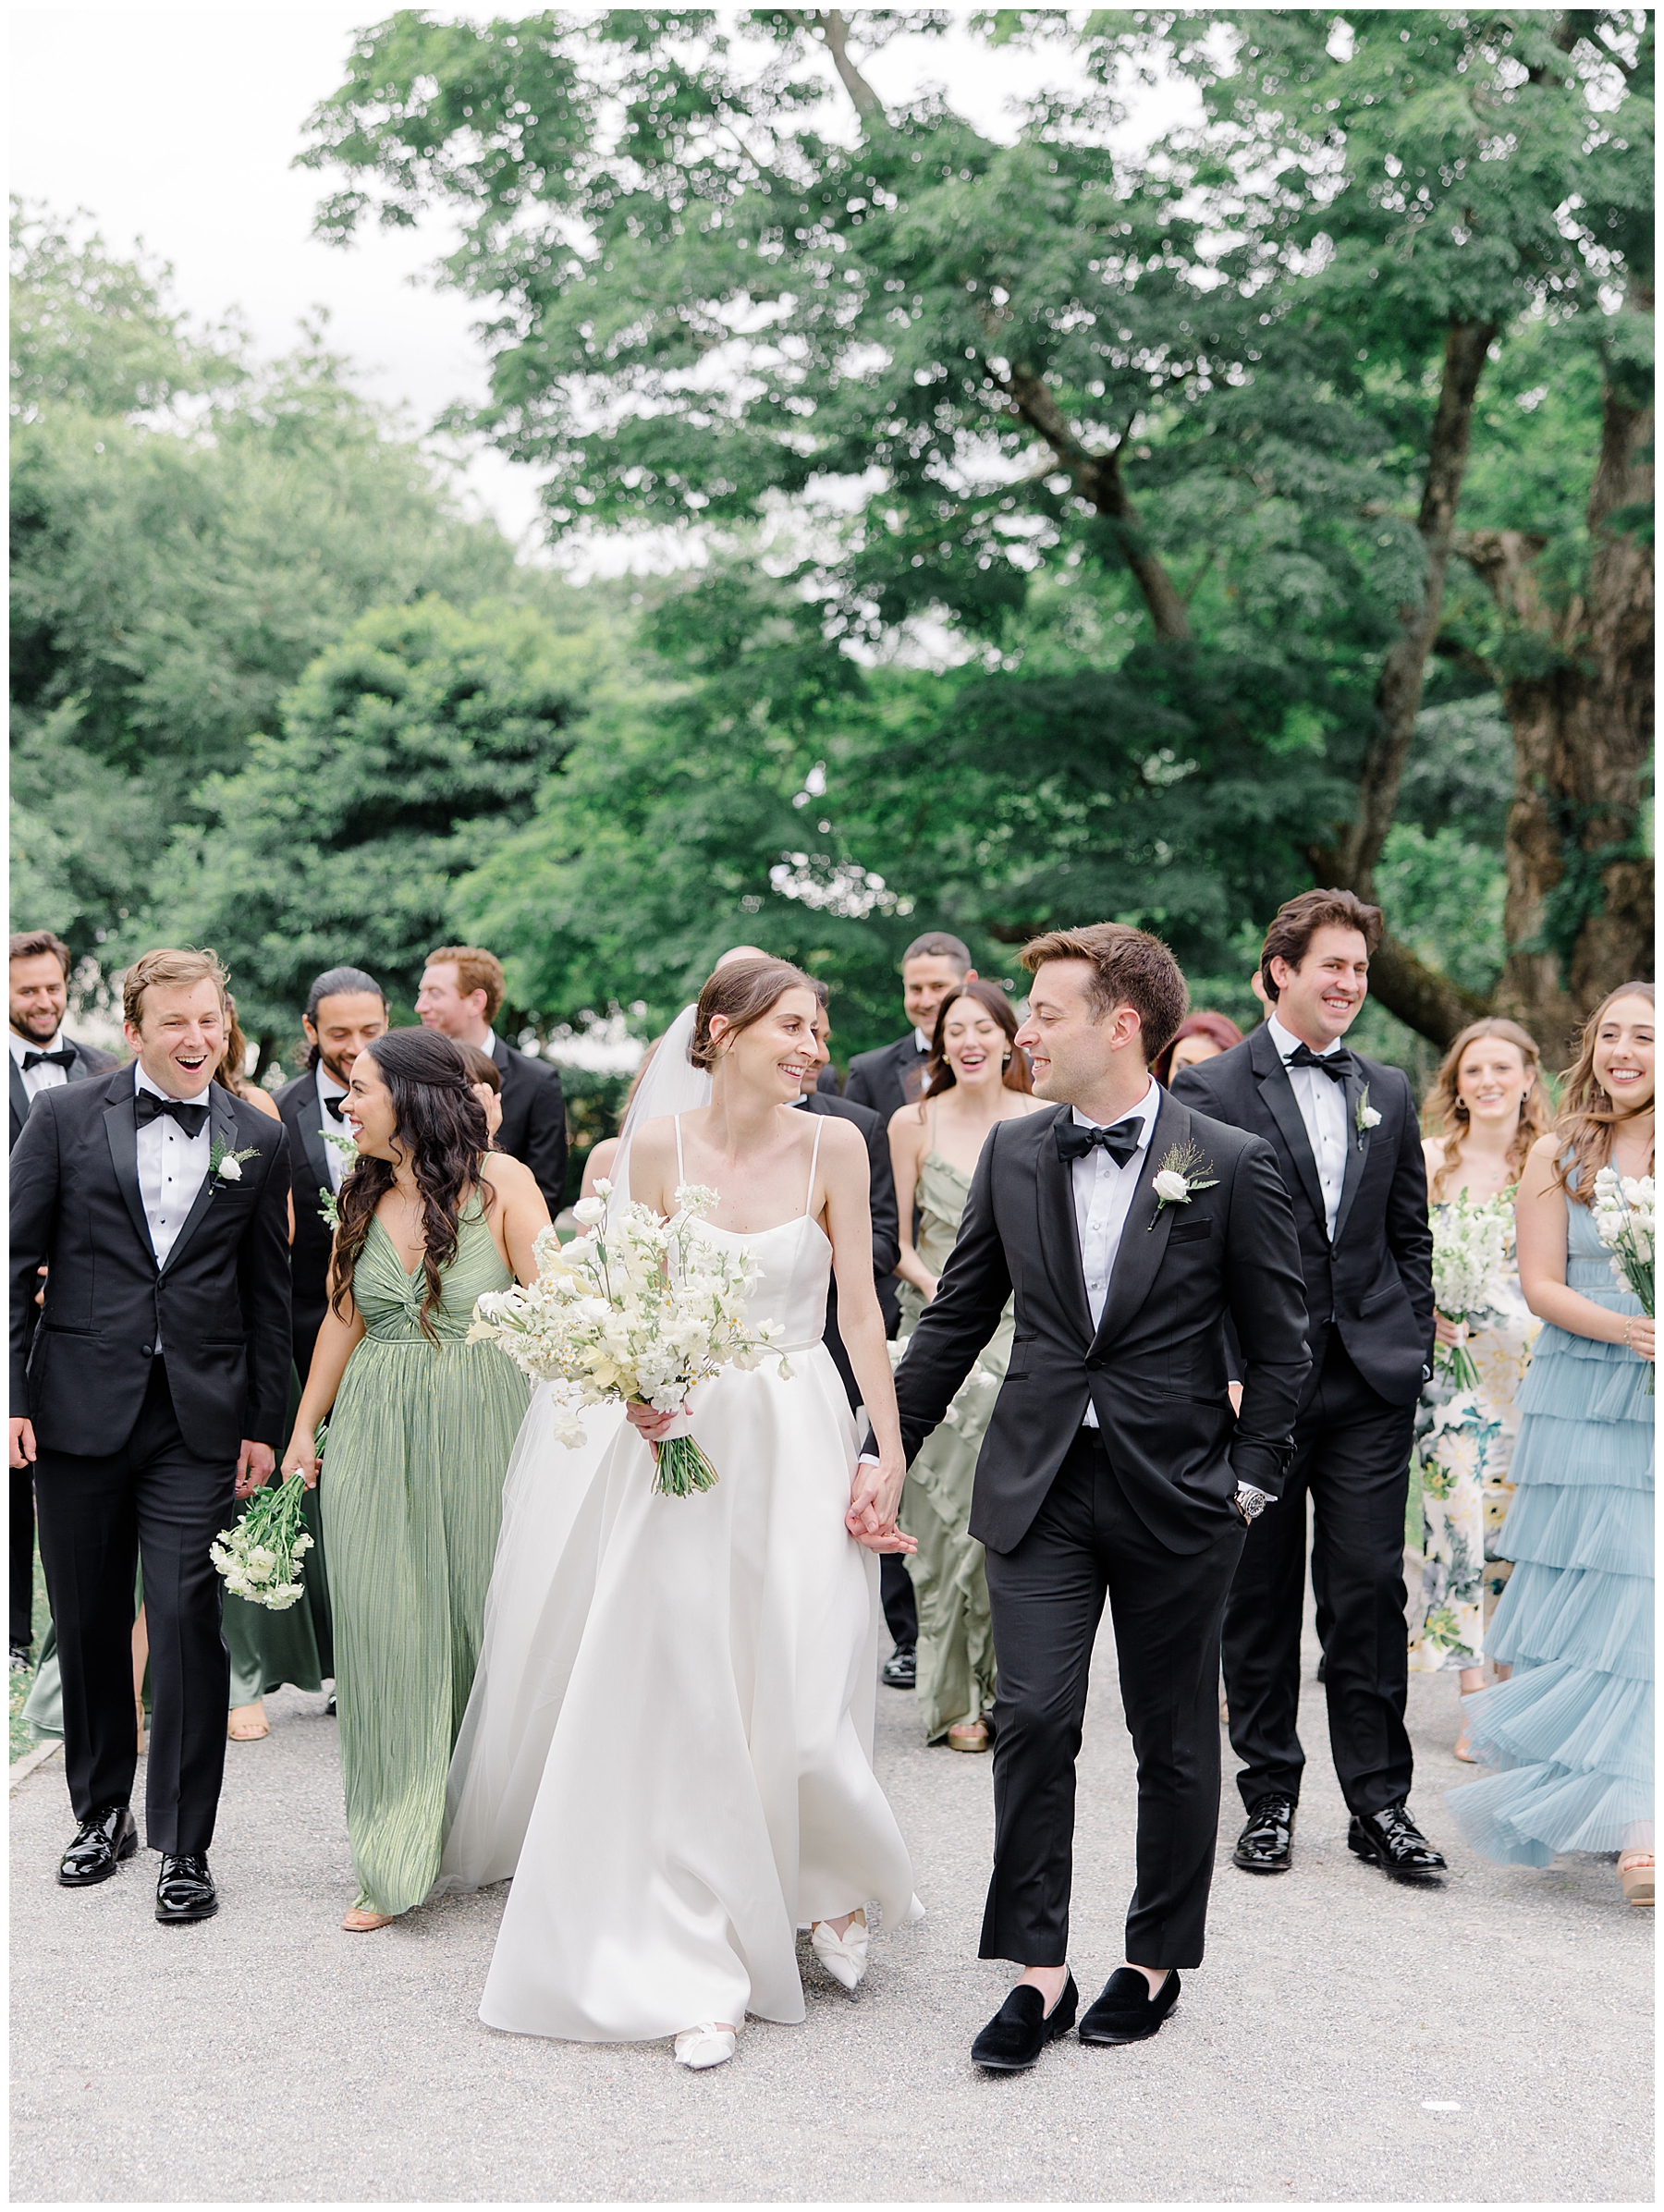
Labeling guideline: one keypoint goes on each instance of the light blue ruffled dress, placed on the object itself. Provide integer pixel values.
(1571, 1732)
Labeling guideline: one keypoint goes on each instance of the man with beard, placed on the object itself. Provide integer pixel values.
(345, 1009)
(41, 1058)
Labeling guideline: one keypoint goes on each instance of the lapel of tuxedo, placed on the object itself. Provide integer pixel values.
(222, 1130)
(79, 1070)
(1277, 1093)
(1144, 1237)
(121, 1128)
(1059, 1233)
(309, 1123)
(21, 1100)
(1357, 1151)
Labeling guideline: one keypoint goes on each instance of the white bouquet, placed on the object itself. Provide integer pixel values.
(260, 1557)
(634, 1313)
(1625, 1206)
(1471, 1244)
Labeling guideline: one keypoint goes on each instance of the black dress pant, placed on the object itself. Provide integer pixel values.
(152, 1499)
(896, 1596)
(22, 1558)
(1351, 1452)
(1047, 1598)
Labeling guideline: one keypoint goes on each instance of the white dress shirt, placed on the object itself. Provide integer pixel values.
(329, 1088)
(171, 1168)
(1103, 1198)
(36, 1080)
(1322, 1104)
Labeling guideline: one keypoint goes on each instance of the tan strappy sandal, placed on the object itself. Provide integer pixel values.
(1635, 1877)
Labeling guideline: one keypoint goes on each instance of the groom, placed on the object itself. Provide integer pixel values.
(1127, 1228)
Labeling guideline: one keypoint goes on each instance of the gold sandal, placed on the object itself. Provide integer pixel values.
(969, 1735)
(1635, 1877)
(361, 1921)
(244, 1733)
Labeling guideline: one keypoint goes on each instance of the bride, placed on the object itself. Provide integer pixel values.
(669, 1739)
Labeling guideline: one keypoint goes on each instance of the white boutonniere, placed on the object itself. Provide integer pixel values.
(225, 1165)
(1177, 1179)
(329, 1212)
(1365, 1117)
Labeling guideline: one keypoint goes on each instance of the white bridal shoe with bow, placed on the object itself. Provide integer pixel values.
(844, 1957)
(708, 2045)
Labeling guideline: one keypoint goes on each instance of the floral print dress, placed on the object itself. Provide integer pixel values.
(1464, 1442)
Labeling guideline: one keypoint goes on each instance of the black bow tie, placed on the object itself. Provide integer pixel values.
(189, 1117)
(65, 1058)
(332, 1103)
(1121, 1142)
(1337, 1065)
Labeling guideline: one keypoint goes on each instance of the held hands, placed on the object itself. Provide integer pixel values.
(874, 1498)
(256, 1464)
(22, 1442)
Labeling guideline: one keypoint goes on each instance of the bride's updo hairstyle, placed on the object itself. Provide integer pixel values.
(440, 1125)
(741, 992)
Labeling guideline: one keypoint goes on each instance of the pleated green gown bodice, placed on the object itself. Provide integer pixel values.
(413, 1488)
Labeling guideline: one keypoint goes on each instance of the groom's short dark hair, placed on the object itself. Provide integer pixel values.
(1128, 968)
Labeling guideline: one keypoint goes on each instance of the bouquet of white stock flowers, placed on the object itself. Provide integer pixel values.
(636, 1314)
(260, 1557)
(1624, 1208)
(1470, 1248)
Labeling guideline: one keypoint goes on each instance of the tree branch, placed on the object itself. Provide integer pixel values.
(832, 27)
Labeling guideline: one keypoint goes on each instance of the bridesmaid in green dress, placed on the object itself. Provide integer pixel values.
(422, 1424)
(975, 1077)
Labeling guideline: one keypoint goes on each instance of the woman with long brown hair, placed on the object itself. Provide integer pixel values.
(976, 1075)
(1484, 1109)
(1570, 1730)
(421, 1424)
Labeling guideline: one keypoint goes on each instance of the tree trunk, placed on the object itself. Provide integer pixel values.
(1580, 886)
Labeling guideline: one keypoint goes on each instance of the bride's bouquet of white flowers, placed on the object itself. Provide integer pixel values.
(635, 1312)
(1625, 1209)
(1472, 1245)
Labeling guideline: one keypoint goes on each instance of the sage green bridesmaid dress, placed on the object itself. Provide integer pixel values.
(412, 1486)
(956, 1677)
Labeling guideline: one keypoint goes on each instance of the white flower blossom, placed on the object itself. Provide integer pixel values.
(1172, 1188)
(230, 1168)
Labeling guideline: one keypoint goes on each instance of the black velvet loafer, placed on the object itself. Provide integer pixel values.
(1023, 2027)
(102, 1841)
(1126, 2012)
(185, 1890)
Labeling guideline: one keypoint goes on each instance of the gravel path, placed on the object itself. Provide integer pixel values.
(265, 2056)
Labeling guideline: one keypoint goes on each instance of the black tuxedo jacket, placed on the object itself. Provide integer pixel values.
(89, 1061)
(222, 1302)
(1153, 1369)
(534, 1130)
(878, 1080)
(1375, 1284)
(886, 1244)
(309, 1177)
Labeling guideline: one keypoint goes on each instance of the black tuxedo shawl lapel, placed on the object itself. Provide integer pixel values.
(1059, 1231)
(121, 1127)
(222, 1131)
(309, 1124)
(78, 1071)
(1143, 1240)
(21, 1100)
(1357, 1152)
(1277, 1092)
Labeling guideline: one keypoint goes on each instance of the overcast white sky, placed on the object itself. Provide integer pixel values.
(177, 124)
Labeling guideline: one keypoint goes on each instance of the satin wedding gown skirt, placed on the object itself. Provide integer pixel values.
(669, 1742)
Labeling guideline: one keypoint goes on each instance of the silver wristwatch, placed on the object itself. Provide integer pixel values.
(1250, 1503)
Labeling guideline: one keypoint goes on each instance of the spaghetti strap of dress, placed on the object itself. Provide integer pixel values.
(681, 1173)
(813, 1162)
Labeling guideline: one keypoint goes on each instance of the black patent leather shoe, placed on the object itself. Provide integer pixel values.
(184, 1889)
(900, 1670)
(1125, 2012)
(1397, 1846)
(1267, 1844)
(1023, 2027)
(102, 1841)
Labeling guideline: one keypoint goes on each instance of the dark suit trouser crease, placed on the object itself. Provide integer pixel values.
(1352, 1453)
(22, 1558)
(153, 1499)
(1048, 1597)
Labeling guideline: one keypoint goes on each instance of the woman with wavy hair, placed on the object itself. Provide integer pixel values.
(1486, 1108)
(422, 1424)
(1570, 1733)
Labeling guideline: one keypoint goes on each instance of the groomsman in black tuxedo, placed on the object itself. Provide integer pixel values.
(886, 1242)
(462, 990)
(151, 1396)
(345, 1009)
(41, 1058)
(1348, 1145)
(1127, 1229)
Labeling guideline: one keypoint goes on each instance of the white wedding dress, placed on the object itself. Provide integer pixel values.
(669, 1741)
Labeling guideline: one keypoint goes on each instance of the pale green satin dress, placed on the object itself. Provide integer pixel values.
(956, 1638)
(413, 1485)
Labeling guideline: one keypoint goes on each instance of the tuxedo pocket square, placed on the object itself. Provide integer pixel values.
(1187, 1233)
